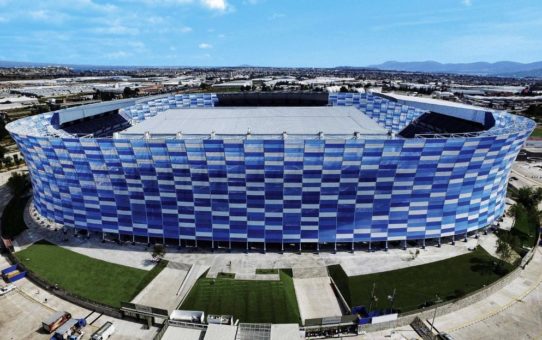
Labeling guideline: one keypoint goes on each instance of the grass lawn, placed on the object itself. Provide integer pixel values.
(249, 301)
(12, 219)
(266, 271)
(416, 286)
(537, 132)
(93, 279)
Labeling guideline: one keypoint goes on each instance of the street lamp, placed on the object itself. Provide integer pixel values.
(437, 301)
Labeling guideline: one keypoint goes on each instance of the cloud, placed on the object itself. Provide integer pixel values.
(116, 29)
(117, 55)
(466, 2)
(186, 29)
(205, 46)
(276, 16)
(39, 15)
(155, 20)
(219, 5)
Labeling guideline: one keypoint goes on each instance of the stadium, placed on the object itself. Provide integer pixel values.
(272, 169)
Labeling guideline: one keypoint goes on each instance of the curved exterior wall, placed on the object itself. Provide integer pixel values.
(273, 190)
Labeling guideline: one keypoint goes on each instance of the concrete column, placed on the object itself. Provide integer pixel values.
(423, 243)
(386, 246)
(404, 244)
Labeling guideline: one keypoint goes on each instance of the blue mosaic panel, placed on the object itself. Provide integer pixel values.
(273, 190)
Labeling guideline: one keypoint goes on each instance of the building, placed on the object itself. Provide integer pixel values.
(203, 169)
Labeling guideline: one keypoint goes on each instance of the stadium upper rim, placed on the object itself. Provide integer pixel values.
(393, 113)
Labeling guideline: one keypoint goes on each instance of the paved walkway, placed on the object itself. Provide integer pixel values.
(316, 298)
(162, 291)
(514, 312)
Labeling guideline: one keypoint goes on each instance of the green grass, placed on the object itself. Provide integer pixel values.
(249, 301)
(416, 286)
(537, 132)
(92, 279)
(266, 271)
(12, 219)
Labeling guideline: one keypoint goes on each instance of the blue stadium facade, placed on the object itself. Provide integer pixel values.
(272, 189)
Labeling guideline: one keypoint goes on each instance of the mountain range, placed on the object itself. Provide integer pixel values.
(501, 68)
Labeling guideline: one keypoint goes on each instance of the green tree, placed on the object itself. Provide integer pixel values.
(504, 251)
(8, 161)
(528, 197)
(158, 251)
(3, 151)
(18, 184)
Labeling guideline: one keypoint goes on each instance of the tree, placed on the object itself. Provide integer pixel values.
(528, 197)
(158, 251)
(504, 251)
(343, 89)
(3, 151)
(129, 93)
(8, 161)
(18, 184)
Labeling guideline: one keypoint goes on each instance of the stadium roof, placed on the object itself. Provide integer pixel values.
(260, 120)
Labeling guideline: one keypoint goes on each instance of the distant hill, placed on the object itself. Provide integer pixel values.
(500, 68)
(7, 63)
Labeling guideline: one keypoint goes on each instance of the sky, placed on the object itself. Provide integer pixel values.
(295, 33)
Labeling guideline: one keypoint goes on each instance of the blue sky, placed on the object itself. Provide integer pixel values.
(319, 33)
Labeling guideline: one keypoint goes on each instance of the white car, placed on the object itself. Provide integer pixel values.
(6, 289)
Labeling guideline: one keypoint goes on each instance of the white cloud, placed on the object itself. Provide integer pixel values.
(186, 29)
(155, 20)
(467, 2)
(38, 15)
(276, 16)
(220, 5)
(117, 29)
(117, 55)
(205, 46)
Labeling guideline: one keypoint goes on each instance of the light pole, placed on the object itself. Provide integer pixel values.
(437, 300)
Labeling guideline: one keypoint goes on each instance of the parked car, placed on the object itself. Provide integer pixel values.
(6, 289)
(104, 332)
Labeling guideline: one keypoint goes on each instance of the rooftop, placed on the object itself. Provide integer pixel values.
(260, 120)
